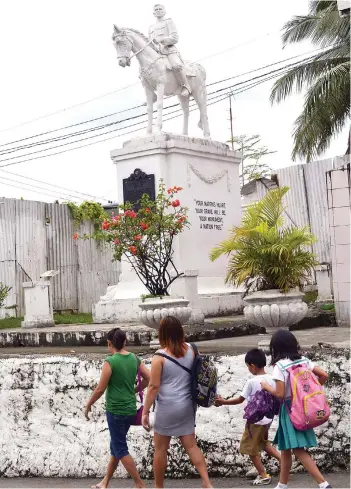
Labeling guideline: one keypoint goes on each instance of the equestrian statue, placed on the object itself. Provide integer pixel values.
(162, 70)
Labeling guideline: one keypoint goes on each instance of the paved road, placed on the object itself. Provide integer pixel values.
(229, 346)
(337, 480)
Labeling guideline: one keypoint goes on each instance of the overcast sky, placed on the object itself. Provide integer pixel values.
(58, 54)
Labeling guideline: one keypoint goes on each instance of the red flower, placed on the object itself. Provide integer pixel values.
(179, 189)
(147, 210)
(137, 237)
(106, 225)
(144, 226)
(117, 218)
(170, 191)
(133, 250)
(175, 203)
(131, 214)
(116, 241)
(75, 236)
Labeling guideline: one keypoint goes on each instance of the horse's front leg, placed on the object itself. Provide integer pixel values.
(150, 108)
(160, 93)
(184, 102)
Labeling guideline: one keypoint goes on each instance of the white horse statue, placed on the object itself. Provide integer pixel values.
(158, 79)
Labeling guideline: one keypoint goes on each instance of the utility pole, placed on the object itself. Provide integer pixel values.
(242, 162)
(231, 120)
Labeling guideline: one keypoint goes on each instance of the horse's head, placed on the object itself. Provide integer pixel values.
(123, 44)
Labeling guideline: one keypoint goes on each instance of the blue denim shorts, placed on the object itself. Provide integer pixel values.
(119, 427)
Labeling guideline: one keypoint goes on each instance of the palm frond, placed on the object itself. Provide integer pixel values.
(261, 252)
(322, 27)
(325, 112)
(302, 76)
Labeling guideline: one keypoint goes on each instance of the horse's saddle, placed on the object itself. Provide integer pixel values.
(188, 67)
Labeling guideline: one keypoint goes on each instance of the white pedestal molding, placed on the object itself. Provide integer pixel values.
(208, 172)
(272, 308)
(38, 305)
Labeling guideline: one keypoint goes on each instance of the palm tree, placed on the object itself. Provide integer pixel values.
(325, 75)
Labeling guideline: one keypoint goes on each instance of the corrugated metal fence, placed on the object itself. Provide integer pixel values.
(37, 236)
(306, 200)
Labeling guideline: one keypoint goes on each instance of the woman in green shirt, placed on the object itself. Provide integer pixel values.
(118, 380)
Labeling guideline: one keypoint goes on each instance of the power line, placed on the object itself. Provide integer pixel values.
(61, 194)
(53, 185)
(73, 125)
(77, 133)
(269, 65)
(55, 196)
(68, 108)
(128, 86)
(113, 137)
(141, 105)
(67, 136)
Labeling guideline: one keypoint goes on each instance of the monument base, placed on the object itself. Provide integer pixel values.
(121, 311)
(208, 173)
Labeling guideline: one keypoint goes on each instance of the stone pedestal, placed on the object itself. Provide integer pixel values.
(37, 305)
(186, 286)
(208, 172)
(324, 283)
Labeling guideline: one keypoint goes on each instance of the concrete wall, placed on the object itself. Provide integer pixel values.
(36, 237)
(338, 185)
(44, 433)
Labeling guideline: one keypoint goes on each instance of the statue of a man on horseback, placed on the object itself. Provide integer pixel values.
(164, 36)
(162, 70)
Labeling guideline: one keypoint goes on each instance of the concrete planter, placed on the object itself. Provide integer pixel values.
(272, 308)
(154, 310)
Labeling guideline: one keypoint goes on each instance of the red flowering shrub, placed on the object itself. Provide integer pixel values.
(145, 238)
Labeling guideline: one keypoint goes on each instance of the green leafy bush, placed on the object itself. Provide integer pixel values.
(262, 253)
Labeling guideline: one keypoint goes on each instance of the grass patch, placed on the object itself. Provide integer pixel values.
(328, 307)
(310, 296)
(10, 323)
(74, 318)
(59, 319)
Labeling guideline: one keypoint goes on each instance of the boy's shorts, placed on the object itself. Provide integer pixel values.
(254, 445)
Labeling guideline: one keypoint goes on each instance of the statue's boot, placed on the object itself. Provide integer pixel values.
(186, 90)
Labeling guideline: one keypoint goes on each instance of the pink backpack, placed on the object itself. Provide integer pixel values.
(309, 407)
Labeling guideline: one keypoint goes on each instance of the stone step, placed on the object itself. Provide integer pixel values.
(86, 335)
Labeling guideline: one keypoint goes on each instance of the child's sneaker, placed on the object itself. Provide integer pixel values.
(262, 481)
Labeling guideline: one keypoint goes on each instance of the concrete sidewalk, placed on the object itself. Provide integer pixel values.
(337, 480)
(339, 337)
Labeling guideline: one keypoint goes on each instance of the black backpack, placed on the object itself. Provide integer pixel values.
(203, 378)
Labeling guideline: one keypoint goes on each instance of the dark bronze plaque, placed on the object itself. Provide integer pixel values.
(137, 184)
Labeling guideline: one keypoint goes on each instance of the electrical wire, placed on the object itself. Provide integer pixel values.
(34, 191)
(277, 72)
(119, 135)
(55, 186)
(131, 85)
(142, 105)
(62, 194)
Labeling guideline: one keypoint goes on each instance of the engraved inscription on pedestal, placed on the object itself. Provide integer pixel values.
(212, 215)
(136, 185)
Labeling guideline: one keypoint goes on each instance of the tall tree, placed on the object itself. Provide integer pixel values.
(326, 76)
(252, 167)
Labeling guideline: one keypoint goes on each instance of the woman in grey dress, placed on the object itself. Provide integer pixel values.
(170, 386)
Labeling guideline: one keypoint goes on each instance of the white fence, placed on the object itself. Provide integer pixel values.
(37, 236)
